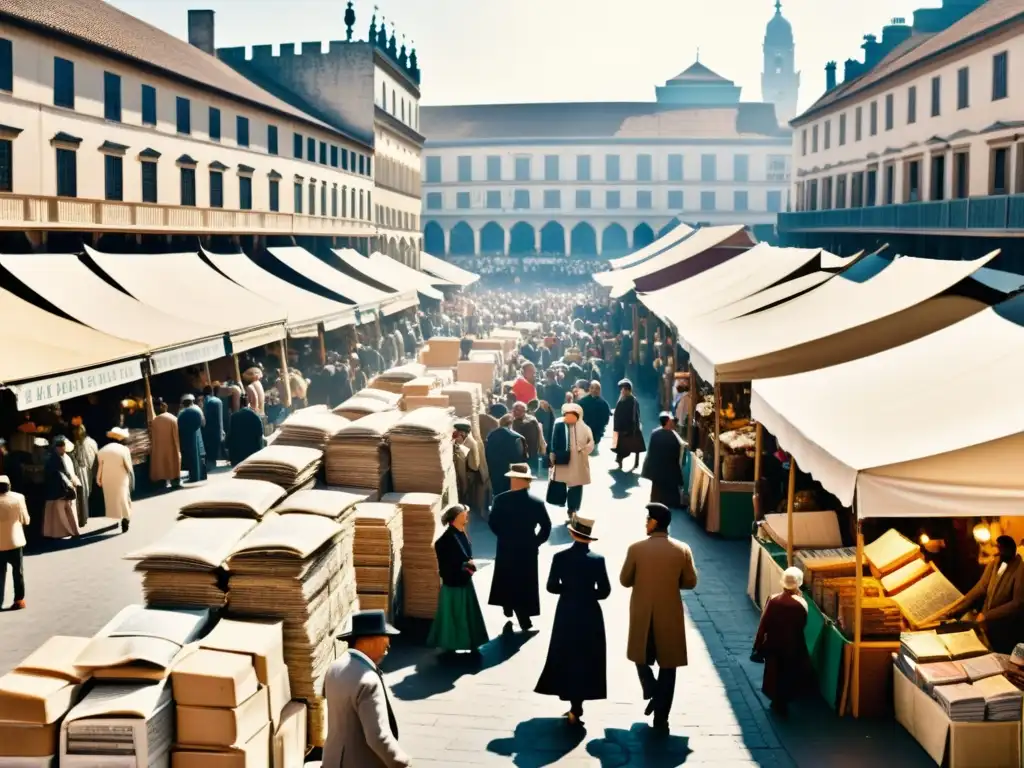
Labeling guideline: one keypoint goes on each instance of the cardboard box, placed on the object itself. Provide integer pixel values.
(29, 739)
(263, 640)
(279, 693)
(214, 679)
(289, 744)
(35, 699)
(255, 753)
(210, 727)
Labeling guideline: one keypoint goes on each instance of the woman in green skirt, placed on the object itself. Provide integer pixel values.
(458, 623)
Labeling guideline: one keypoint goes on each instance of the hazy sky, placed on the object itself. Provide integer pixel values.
(494, 51)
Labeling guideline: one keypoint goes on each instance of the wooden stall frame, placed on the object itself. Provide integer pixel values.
(287, 394)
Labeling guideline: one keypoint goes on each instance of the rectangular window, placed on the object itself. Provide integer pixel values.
(675, 167)
(521, 199)
(644, 168)
(465, 168)
(841, 191)
(334, 156)
(63, 83)
(612, 200)
(149, 186)
(812, 195)
(551, 168)
(67, 173)
(188, 186)
(890, 184)
(523, 168)
(6, 165)
(494, 199)
(740, 200)
(828, 134)
(552, 199)
(312, 199)
(803, 141)
(494, 168)
(242, 130)
(434, 201)
(912, 105)
(741, 167)
(344, 167)
(275, 195)
(369, 167)
(462, 200)
(707, 201)
(362, 165)
(814, 139)
(214, 124)
(334, 200)
(311, 149)
(6, 65)
(148, 105)
(612, 171)
(857, 190)
(675, 200)
(433, 170)
(963, 88)
(113, 174)
(961, 175)
(216, 189)
(1000, 171)
(913, 170)
(323, 199)
(873, 119)
(938, 178)
(842, 129)
(826, 193)
(112, 97)
(709, 167)
(298, 197)
(777, 168)
(323, 153)
(774, 201)
(183, 112)
(582, 167)
(871, 195)
(297, 145)
(583, 199)
(936, 96)
(890, 107)
(271, 139)
(1000, 76)
(644, 200)
(858, 124)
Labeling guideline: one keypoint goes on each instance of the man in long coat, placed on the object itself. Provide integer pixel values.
(116, 476)
(190, 434)
(596, 412)
(165, 447)
(521, 524)
(656, 569)
(213, 430)
(246, 436)
(503, 449)
(525, 424)
(663, 463)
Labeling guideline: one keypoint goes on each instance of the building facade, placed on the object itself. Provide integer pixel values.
(922, 145)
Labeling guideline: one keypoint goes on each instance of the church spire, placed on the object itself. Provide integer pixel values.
(778, 7)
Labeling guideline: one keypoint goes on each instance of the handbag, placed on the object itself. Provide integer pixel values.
(558, 493)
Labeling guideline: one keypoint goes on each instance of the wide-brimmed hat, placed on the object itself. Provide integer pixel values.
(367, 624)
(582, 527)
(118, 433)
(572, 408)
(522, 471)
(792, 578)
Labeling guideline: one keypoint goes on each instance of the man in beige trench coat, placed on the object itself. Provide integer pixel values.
(657, 569)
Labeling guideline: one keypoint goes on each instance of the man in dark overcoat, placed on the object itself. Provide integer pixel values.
(663, 463)
(213, 431)
(521, 524)
(503, 449)
(190, 436)
(246, 435)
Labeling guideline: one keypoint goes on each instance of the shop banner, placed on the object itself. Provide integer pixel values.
(57, 388)
(191, 354)
(240, 342)
(365, 316)
(340, 320)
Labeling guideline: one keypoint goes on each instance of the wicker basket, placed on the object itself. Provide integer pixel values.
(737, 467)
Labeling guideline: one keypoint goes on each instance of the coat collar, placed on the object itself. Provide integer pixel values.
(658, 535)
(363, 658)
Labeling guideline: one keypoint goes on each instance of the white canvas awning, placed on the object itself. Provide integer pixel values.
(930, 428)
(67, 283)
(184, 286)
(665, 241)
(405, 278)
(840, 320)
(447, 272)
(401, 298)
(305, 310)
(764, 299)
(304, 263)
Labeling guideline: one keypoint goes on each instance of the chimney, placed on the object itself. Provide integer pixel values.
(830, 76)
(895, 33)
(200, 31)
(872, 53)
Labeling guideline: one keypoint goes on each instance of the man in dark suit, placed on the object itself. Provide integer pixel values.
(1001, 592)
(503, 449)
(246, 435)
(663, 463)
(213, 430)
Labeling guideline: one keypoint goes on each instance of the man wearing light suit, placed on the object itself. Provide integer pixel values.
(361, 730)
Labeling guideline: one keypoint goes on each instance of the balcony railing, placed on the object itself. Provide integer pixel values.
(973, 214)
(21, 212)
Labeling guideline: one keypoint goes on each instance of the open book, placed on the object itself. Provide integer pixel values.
(889, 552)
(927, 600)
(905, 576)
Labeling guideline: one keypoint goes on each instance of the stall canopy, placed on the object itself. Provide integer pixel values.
(838, 321)
(653, 249)
(957, 442)
(304, 269)
(405, 278)
(59, 358)
(305, 310)
(67, 283)
(766, 298)
(706, 248)
(450, 273)
(367, 270)
(186, 287)
(751, 271)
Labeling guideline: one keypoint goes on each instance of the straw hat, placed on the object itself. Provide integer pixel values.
(572, 408)
(521, 471)
(582, 527)
(118, 433)
(792, 578)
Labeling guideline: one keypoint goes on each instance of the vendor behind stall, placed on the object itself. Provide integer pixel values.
(1002, 587)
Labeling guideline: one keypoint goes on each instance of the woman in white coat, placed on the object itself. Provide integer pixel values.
(572, 442)
(115, 475)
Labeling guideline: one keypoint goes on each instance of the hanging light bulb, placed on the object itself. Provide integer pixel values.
(982, 533)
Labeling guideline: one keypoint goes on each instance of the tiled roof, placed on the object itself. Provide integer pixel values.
(598, 120)
(99, 24)
(993, 13)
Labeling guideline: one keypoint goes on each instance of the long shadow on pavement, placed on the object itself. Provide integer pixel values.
(639, 746)
(538, 742)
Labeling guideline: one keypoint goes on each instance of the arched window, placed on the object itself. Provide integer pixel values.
(360, 203)
(344, 202)
(403, 109)
(384, 95)
(394, 111)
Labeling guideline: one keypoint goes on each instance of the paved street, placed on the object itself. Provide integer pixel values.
(455, 716)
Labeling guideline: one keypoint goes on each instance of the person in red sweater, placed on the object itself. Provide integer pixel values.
(525, 387)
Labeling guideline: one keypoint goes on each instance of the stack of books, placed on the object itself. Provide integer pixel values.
(963, 702)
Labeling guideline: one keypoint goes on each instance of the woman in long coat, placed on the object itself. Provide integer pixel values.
(571, 442)
(116, 476)
(780, 643)
(629, 435)
(458, 623)
(165, 447)
(576, 669)
(84, 459)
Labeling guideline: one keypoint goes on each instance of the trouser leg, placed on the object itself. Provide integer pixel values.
(666, 690)
(3, 575)
(524, 619)
(647, 680)
(576, 707)
(16, 558)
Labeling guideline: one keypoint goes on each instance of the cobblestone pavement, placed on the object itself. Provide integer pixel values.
(488, 714)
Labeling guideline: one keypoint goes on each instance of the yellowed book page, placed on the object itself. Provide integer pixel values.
(964, 644)
(924, 602)
(904, 577)
(889, 551)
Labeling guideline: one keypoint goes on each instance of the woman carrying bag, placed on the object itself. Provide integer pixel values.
(572, 442)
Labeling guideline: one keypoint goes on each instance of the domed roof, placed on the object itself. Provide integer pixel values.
(779, 31)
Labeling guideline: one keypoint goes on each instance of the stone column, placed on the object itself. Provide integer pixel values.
(447, 241)
(536, 240)
(476, 241)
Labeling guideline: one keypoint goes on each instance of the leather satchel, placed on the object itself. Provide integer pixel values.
(558, 493)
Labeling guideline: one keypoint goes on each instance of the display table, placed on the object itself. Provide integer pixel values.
(736, 509)
(767, 561)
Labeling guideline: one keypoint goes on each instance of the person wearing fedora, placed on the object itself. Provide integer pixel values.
(521, 524)
(572, 442)
(657, 569)
(458, 622)
(576, 668)
(116, 476)
(628, 434)
(362, 731)
(779, 644)
(13, 519)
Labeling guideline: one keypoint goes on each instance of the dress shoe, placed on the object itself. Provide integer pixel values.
(18, 605)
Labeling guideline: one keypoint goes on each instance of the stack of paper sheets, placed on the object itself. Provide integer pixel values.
(981, 667)
(964, 703)
(424, 386)
(466, 399)
(905, 576)
(1002, 698)
(288, 466)
(940, 673)
(421, 583)
(359, 455)
(929, 645)
(232, 498)
(421, 451)
(390, 398)
(393, 379)
(825, 563)
(310, 428)
(333, 503)
(377, 554)
(879, 616)
(358, 407)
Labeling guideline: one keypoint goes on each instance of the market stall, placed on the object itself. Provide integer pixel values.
(378, 276)
(663, 243)
(407, 277)
(446, 271)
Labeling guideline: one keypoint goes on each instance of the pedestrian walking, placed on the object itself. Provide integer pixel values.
(596, 412)
(190, 436)
(13, 519)
(576, 669)
(656, 569)
(60, 518)
(246, 435)
(628, 439)
(115, 475)
(458, 623)
(213, 430)
(362, 731)
(521, 524)
(84, 459)
(663, 463)
(165, 451)
(780, 646)
(504, 447)
(571, 446)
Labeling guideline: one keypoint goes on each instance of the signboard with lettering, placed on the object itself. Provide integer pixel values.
(183, 357)
(57, 388)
